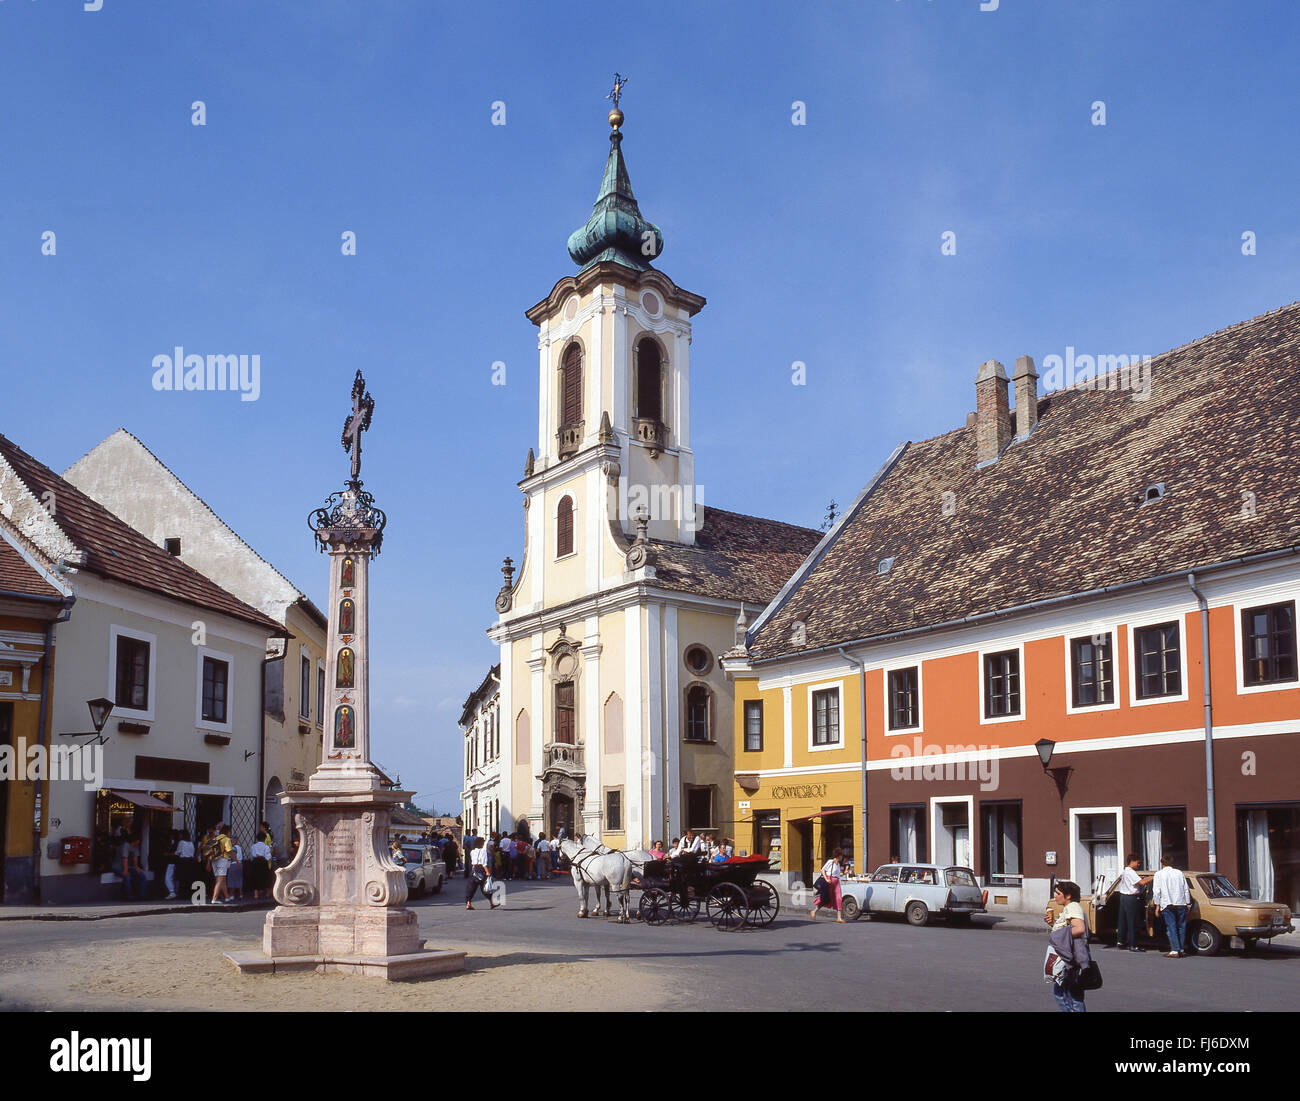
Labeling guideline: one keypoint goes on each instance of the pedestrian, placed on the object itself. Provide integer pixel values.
(1132, 921)
(1067, 949)
(523, 857)
(235, 874)
(220, 865)
(1172, 898)
(187, 868)
(169, 873)
(828, 888)
(470, 838)
(507, 850)
(478, 878)
(259, 867)
(128, 863)
(450, 854)
(543, 857)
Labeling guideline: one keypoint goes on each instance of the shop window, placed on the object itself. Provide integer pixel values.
(1157, 832)
(1000, 845)
(1268, 644)
(767, 836)
(1158, 656)
(1092, 671)
(1096, 848)
(904, 699)
(753, 726)
(1268, 853)
(952, 833)
(826, 717)
(1002, 684)
(907, 839)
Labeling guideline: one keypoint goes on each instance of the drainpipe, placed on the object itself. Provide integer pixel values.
(47, 685)
(862, 709)
(1209, 720)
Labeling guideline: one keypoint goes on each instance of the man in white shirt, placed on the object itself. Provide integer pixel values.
(543, 858)
(691, 843)
(1131, 923)
(1172, 899)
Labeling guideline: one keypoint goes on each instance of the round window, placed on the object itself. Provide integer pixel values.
(571, 308)
(650, 303)
(698, 660)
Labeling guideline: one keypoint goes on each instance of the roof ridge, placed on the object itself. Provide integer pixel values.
(751, 516)
(215, 515)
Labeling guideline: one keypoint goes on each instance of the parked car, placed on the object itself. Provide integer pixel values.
(1219, 911)
(920, 891)
(425, 870)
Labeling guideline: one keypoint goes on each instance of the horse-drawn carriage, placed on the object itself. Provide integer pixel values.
(730, 893)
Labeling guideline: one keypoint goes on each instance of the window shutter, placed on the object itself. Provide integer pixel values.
(564, 527)
(572, 384)
(649, 381)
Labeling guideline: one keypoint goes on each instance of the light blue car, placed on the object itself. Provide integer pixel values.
(917, 890)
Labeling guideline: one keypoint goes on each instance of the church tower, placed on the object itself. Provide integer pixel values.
(615, 713)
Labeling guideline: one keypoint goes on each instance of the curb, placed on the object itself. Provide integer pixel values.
(152, 911)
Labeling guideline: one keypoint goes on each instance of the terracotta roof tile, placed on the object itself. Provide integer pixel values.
(1062, 512)
(16, 576)
(735, 557)
(118, 552)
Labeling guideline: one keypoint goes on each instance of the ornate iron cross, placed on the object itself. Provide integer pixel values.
(617, 93)
(363, 405)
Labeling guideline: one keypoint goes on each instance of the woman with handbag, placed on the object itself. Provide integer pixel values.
(828, 887)
(1068, 965)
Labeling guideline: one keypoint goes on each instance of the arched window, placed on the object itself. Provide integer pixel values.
(571, 386)
(697, 713)
(564, 527)
(649, 380)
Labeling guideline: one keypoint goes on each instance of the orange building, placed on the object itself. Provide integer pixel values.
(1022, 602)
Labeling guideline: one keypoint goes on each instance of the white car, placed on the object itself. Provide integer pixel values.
(425, 871)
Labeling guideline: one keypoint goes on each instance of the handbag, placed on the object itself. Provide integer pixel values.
(1089, 978)
(1055, 968)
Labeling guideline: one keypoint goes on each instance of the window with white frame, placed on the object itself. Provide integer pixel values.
(826, 717)
(1092, 671)
(304, 684)
(216, 684)
(1268, 644)
(1000, 844)
(1158, 660)
(904, 698)
(1002, 684)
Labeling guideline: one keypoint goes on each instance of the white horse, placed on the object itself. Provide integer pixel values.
(594, 865)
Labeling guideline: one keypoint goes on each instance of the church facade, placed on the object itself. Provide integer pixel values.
(616, 715)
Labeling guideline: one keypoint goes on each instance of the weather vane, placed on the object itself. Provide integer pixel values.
(617, 93)
(363, 406)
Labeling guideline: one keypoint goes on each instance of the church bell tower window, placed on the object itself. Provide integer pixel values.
(564, 527)
(570, 433)
(649, 426)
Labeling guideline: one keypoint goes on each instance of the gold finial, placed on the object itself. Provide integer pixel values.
(616, 116)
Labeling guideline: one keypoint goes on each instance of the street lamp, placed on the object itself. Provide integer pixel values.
(1060, 775)
(99, 711)
(1045, 747)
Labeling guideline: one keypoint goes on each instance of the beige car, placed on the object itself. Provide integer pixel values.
(1218, 913)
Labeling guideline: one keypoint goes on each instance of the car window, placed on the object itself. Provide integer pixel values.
(887, 874)
(917, 875)
(413, 856)
(959, 877)
(1217, 886)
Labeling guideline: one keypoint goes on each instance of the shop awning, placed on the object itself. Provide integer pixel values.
(823, 814)
(143, 800)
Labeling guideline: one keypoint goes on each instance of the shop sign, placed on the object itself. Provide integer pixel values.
(799, 791)
(743, 804)
(1200, 829)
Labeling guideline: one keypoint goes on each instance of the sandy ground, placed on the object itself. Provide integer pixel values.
(187, 973)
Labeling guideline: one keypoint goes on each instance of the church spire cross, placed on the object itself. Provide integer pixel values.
(358, 421)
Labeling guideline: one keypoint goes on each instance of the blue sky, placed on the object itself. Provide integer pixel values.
(818, 243)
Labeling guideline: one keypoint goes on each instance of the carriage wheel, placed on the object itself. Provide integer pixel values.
(655, 907)
(726, 907)
(764, 903)
(684, 907)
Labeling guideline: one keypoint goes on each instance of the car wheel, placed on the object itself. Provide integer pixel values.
(850, 910)
(917, 914)
(1206, 939)
(438, 889)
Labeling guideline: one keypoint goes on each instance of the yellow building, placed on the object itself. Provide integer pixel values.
(32, 600)
(615, 713)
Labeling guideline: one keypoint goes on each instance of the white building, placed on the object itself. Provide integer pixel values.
(130, 481)
(180, 658)
(480, 723)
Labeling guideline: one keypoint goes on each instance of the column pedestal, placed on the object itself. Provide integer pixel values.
(341, 900)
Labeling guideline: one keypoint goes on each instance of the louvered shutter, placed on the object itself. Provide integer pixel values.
(572, 383)
(564, 528)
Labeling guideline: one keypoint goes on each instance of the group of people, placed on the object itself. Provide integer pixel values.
(217, 860)
(515, 855)
(692, 844)
(1069, 962)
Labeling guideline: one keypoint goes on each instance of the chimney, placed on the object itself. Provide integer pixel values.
(992, 412)
(1025, 381)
